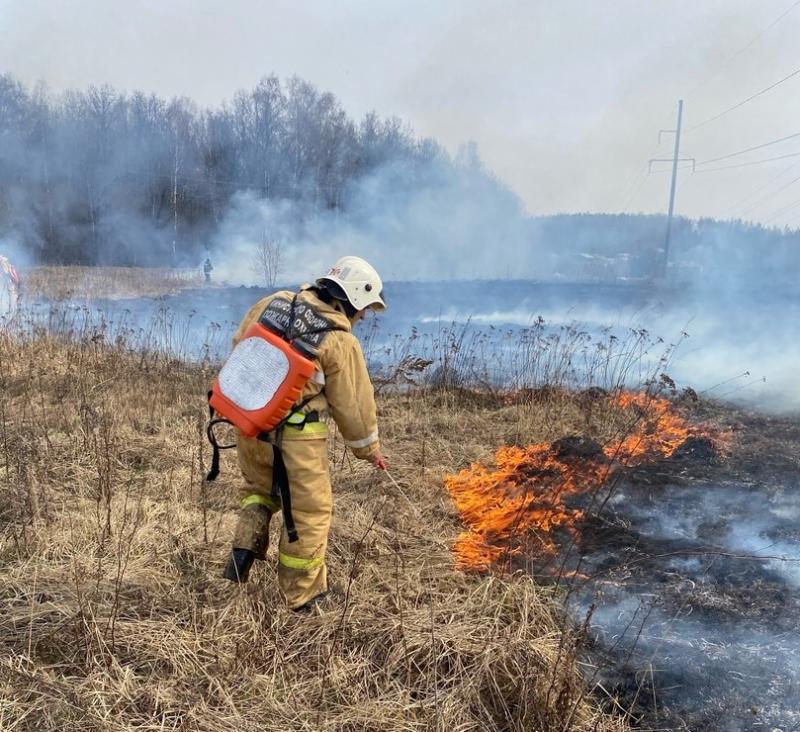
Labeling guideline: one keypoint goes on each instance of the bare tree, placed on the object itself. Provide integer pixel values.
(269, 253)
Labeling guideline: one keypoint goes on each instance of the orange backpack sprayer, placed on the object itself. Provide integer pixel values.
(260, 383)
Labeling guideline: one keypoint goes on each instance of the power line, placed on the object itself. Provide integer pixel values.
(731, 209)
(752, 162)
(636, 181)
(791, 219)
(744, 101)
(781, 211)
(635, 191)
(742, 49)
(749, 149)
(759, 201)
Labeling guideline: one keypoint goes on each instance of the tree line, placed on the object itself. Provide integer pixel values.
(100, 176)
(708, 251)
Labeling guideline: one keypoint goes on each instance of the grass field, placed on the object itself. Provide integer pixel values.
(113, 614)
(65, 283)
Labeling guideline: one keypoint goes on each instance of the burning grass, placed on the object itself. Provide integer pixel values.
(113, 615)
(522, 504)
(92, 283)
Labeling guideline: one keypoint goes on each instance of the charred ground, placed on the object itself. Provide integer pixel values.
(692, 567)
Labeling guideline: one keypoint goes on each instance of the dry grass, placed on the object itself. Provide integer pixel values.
(114, 617)
(90, 283)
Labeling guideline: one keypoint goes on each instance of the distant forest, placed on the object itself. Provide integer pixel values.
(610, 246)
(104, 177)
(76, 168)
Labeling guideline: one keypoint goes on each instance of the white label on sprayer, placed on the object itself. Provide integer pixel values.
(253, 373)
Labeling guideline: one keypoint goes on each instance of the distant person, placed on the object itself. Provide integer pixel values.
(9, 287)
(341, 388)
(207, 267)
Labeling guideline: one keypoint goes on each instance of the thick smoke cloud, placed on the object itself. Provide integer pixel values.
(449, 223)
(99, 177)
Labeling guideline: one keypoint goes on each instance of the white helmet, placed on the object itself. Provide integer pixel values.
(360, 282)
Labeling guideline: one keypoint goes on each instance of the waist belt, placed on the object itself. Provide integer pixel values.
(300, 420)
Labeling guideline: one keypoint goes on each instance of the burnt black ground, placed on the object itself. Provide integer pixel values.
(694, 571)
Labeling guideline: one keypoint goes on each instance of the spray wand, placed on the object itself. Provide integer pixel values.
(401, 492)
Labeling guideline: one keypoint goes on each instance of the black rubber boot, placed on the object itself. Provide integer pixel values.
(238, 567)
(309, 607)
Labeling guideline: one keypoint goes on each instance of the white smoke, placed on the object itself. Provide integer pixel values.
(706, 600)
(459, 224)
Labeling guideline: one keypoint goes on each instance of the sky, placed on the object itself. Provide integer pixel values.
(564, 99)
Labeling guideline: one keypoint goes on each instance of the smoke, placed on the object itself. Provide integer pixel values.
(740, 347)
(100, 177)
(730, 285)
(703, 603)
(103, 177)
(446, 223)
(12, 248)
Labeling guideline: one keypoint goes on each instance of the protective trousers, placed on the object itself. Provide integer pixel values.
(301, 564)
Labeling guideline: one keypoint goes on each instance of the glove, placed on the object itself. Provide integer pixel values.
(379, 462)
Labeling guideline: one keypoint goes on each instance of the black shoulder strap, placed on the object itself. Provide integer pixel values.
(290, 335)
(280, 488)
(212, 438)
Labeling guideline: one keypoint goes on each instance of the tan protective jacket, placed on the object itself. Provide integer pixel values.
(341, 386)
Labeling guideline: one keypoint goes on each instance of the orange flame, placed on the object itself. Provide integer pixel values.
(519, 504)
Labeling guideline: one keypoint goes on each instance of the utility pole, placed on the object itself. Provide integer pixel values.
(675, 159)
(676, 154)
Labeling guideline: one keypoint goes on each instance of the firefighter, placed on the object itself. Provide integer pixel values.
(207, 269)
(340, 389)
